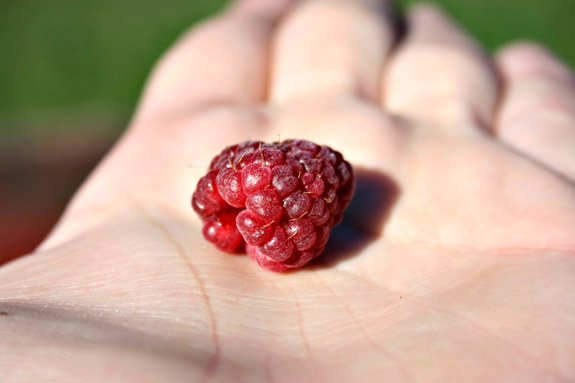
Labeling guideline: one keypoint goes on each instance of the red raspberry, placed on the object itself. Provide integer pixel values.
(279, 200)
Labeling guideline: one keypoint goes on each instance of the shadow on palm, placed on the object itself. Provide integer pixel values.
(364, 219)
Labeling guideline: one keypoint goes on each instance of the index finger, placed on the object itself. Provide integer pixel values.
(159, 160)
(222, 61)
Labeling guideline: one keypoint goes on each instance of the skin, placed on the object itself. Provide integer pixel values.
(456, 264)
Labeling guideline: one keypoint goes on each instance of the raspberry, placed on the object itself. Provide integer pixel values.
(277, 200)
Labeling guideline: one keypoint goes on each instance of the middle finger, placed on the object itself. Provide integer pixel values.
(332, 47)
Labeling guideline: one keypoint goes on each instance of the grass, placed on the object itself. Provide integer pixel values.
(90, 58)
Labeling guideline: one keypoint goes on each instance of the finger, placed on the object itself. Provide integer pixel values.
(439, 73)
(224, 60)
(537, 115)
(332, 47)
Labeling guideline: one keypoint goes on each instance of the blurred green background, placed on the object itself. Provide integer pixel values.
(71, 72)
(66, 62)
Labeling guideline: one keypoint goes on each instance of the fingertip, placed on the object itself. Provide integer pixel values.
(522, 49)
(441, 67)
(431, 23)
(537, 113)
(530, 59)
(260, 7)
(426, 11)
(431, 18)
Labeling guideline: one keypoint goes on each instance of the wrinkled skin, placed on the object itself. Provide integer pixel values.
(465, 273)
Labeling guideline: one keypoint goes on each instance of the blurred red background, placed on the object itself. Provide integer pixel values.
(37, 178)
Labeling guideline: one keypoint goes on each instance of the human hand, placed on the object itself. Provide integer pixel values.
(454, 263)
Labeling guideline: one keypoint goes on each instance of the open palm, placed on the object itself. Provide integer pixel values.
(454, 262)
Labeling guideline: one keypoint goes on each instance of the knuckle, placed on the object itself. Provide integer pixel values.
(446, 112)
(212, 33)
(220, 36)
(224, 115)
(544, 122)
(358, 123)
(541, 103)
(445, 59)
